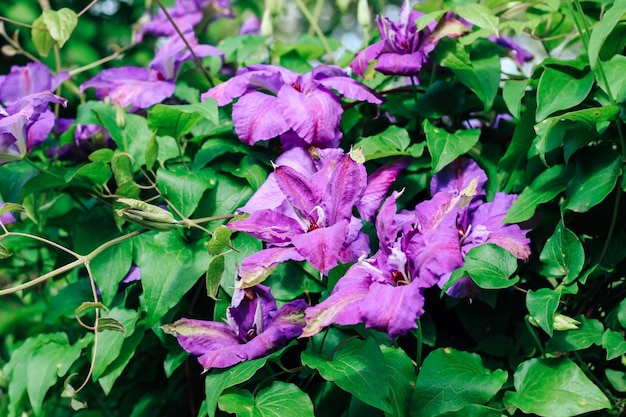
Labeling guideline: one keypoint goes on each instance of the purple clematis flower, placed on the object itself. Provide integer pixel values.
(139, 87)
(254, 328)
(381, 292)
(273, 101)
(418, 250)
(315, 224)
(26, 123)
(32, 78)
(403, 49)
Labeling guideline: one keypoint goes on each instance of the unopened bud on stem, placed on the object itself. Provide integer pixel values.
(146, 215)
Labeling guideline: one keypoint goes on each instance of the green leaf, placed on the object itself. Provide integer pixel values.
(217, 380)
(394, 141)
(617, 379)
(512, 94)
(559, 90)
(220, 241)
(169, 268)
(110, 343)
(450, 380)
(554, 388)
(491, 266)
(152, 151)
(132, 137)
(110, 267)
(551, 131)
(479, 70)
(401, 376)
(614, 344)
(595, 177)
(357, 367)
(614, 70)
(479, 15)
(110, 324)
(60, 24)
(41, 37)
(7, 207)
(126, 353)
(278, 400)
(621, 313)
(102, 155)
(542, 305)
(184, 188)
(445, 147)
(473, 410)
(46, 364)
(239, 402)
(178, 120)
(544, 188)
(603, 29)
(122, 167)
(4, 252)
(225, 198)
(563, 255)
(214, 274)
(589, 333)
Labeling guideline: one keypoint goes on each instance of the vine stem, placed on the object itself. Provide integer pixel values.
(182, 37)
(316, 28)
(80, 259)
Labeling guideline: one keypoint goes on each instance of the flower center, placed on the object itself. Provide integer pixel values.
(312, 226)
(251, 334)
(398, 278)
(297, 86)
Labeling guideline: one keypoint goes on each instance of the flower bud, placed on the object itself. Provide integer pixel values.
(120, 117)
(266, 24)
(273, 6)
(343, 5)
(363, 15)
(562, 322)
(146, 215)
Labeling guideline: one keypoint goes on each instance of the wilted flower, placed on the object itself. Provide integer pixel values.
(403, 49)
(273, 101)
(254, 328)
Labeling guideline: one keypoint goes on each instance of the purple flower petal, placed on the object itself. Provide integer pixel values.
(342, 306)
(198, 336)
(321, 247)
(344, 189)
(350, 88)
(258, 266)
(377, 186)
(392, 309)
(302, 194)
(313, 116)
(252, 310)
(136, 87)
(457, 176)
(362, 59)
(269, 226)
(257, 117)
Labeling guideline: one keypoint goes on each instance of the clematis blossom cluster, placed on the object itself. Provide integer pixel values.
(301, 108)
(254, 328)
(309, 216)
(418, 250)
